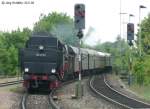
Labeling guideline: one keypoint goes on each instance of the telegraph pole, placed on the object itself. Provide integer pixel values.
(79, 12)
(140, 48)
(120, 17)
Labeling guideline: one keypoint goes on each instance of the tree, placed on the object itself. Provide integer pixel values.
(119, 51)
(46, 23)
(59, 24)
(145, 35)
(9, 46)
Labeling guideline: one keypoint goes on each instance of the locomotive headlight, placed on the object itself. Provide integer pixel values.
(53, 70)
(41, 47)
(26, 70)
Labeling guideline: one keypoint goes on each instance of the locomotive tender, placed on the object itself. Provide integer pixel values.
(46, 62)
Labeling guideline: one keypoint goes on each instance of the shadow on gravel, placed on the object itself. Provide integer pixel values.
(39, 92)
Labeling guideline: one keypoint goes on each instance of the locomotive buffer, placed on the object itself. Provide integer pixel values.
(79, 22)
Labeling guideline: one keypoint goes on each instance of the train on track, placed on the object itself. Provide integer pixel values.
(46, 62)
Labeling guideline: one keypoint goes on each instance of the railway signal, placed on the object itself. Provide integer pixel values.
(79, 16)
(80, 34)
(130, 31)
(130, 43)
(130, 38)
(79, 22)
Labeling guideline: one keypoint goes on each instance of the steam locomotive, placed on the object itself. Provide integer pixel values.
(46, 62)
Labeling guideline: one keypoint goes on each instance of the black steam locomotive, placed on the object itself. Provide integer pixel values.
(46, 62)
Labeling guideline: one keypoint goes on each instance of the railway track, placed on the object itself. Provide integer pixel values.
(52, 104)
(100, 86)
(10, 83)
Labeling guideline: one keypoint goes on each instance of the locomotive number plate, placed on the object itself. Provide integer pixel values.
(41, 54)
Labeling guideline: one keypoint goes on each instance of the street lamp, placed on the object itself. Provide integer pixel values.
(130, 15)
(120, 16)
(122, 35)
(140, 7)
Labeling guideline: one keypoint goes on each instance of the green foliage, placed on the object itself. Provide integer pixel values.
(46, 23)
(138, 69)
(9, 44)
(16, 38)
(141, 69)
(59, 24)
(119, 52)
(145, 35)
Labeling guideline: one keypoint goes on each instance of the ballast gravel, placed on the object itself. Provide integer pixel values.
(37, 102)
(88, 101)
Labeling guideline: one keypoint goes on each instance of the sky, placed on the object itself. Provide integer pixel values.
(102, 15)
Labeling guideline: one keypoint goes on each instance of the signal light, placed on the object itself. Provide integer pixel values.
(79, 14)
(80, 34)
(130, 31)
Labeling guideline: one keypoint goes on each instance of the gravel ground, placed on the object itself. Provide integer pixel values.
(88, 101)
(117, 84)
(10, 97)
(37, 102)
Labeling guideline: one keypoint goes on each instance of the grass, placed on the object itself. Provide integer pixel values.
(17, 89)
(142, 91)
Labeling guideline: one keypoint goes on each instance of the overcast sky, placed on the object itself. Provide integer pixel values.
(102, 15)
